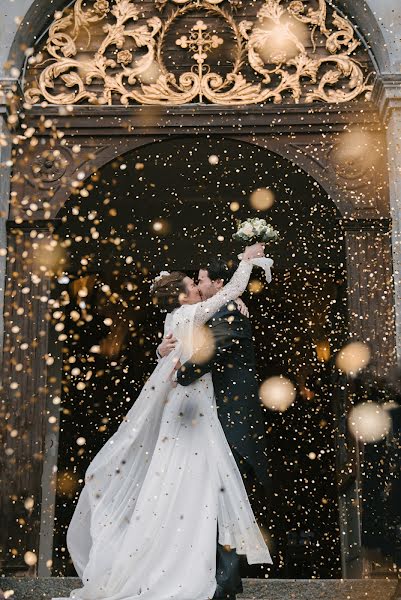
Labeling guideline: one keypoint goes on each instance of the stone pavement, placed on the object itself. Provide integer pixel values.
(45, 588)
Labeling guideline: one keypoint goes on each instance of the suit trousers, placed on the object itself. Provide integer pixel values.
(228, 561)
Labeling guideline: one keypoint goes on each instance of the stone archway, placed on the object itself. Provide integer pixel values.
(357, 239)
(309, 135)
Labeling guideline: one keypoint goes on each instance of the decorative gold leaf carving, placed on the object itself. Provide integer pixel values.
(284, 63)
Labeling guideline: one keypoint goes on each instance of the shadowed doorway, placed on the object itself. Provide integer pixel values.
(172, 205)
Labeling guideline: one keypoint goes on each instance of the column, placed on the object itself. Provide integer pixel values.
(5, 178)
(394, 161)
(370, 289)
(387, 96)
(29, 422)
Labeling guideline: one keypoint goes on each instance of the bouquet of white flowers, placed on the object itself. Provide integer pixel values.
(255, 230)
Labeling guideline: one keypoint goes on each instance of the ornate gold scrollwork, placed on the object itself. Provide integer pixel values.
(275, 46)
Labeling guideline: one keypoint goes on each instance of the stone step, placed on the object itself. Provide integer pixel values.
(44, 588)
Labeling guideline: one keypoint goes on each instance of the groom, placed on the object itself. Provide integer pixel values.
(241, 415)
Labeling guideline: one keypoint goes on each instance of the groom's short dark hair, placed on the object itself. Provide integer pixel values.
(218, 268)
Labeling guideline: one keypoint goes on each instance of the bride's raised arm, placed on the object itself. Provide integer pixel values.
(234, 288)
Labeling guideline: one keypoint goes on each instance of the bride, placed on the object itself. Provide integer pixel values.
(145, 524)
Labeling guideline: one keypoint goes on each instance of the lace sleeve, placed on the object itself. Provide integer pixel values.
(234, 288)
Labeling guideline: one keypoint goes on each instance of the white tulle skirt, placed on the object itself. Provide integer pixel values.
(145, 526)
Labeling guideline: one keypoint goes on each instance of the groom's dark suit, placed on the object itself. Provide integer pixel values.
(236, 389)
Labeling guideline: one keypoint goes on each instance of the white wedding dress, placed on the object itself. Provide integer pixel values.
(145, 525)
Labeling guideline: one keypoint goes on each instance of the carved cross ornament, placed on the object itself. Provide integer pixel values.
(110, 52)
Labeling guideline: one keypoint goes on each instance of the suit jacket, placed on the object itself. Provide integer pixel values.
(236, 388)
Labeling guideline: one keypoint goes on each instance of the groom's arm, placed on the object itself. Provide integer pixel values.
(226, 332)
(190, 372)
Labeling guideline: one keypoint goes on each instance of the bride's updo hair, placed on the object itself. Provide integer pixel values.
(167, 290)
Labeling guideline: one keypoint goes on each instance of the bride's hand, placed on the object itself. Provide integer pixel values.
(254, 251)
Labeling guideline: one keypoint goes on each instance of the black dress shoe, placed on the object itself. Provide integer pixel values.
(219, 594)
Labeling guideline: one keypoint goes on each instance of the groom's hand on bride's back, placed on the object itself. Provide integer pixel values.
(242, 307)
(167, 345)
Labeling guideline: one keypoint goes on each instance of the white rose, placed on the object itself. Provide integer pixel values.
(247, 229)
